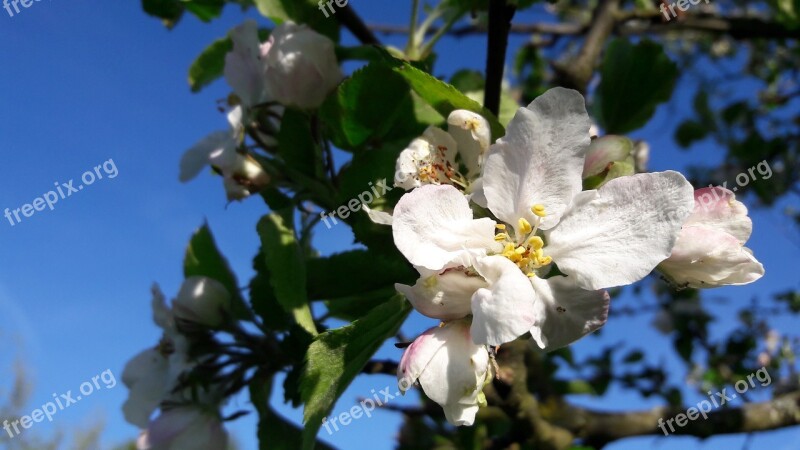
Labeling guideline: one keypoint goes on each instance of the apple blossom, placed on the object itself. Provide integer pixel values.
(451, 369)
(434, 157)
(242, 174)
(152, 374)
(300, 66)
(203, 301)
(532, 181)
(710, 249)
(185, 427)
(608, 157)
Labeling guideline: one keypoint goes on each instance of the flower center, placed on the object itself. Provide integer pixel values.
(437, 169)
(527, 251)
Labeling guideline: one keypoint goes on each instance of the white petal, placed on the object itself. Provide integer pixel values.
(244, 71)
(162, 314)
(717, 207)
(146, 378)
(508, 308)
(459, 414)
(196, 158)
(572, 312)
(428, 159)
(445, 296)
(454, 377)
(473, 136)
(618, 234)
(433, 228)
(705, 258)
(540, 160)
(378, 217)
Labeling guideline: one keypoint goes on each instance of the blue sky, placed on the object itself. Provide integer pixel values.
(85, 82)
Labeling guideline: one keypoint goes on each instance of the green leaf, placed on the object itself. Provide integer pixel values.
(204, 259)
(300, 11)
(442, 96)
(274, 431)
(286, 266)
(689, 132)
(209, 65)
(169, 11)
(375, 270)
(205, 10)
(366, 106)
(296, 144)
(263, 300)
(337, 356)
(634, 80)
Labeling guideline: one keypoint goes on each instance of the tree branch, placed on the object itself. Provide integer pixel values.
(599, 428)
(577, 72)
(500, 15)
(650, 23)
(348, 17)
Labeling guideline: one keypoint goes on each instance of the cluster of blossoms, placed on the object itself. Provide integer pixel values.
(296, 67)
(187, 419)
(508, 242)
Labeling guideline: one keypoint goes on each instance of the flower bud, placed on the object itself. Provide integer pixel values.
(710, 248)
(608, 157)
(203, 301)
(451, 369)
(301, 66)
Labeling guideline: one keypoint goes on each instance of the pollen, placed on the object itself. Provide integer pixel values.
(500, 226)
(500, 237)
(539, 210)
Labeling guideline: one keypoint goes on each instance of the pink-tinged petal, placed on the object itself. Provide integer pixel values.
(455, 375)
(571, 312)
(445, 296)
(145, 376)
(540, 160)
(717, 207)
(618, 234)
(417, 356)
(705, 257)
(433, 228)
(508, 308)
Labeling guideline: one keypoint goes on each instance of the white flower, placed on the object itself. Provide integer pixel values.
(152, 374)
(451, 369)
(300, 66)
(710, 250)
(242, 174)
(434, 157)
(202, 300)
(185, 427)
(244, 65)
(599, 239)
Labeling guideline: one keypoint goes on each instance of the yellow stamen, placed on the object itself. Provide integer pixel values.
(500, 237)
(525, 226)
(500, 226)
(536, 242)
(539, 210)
